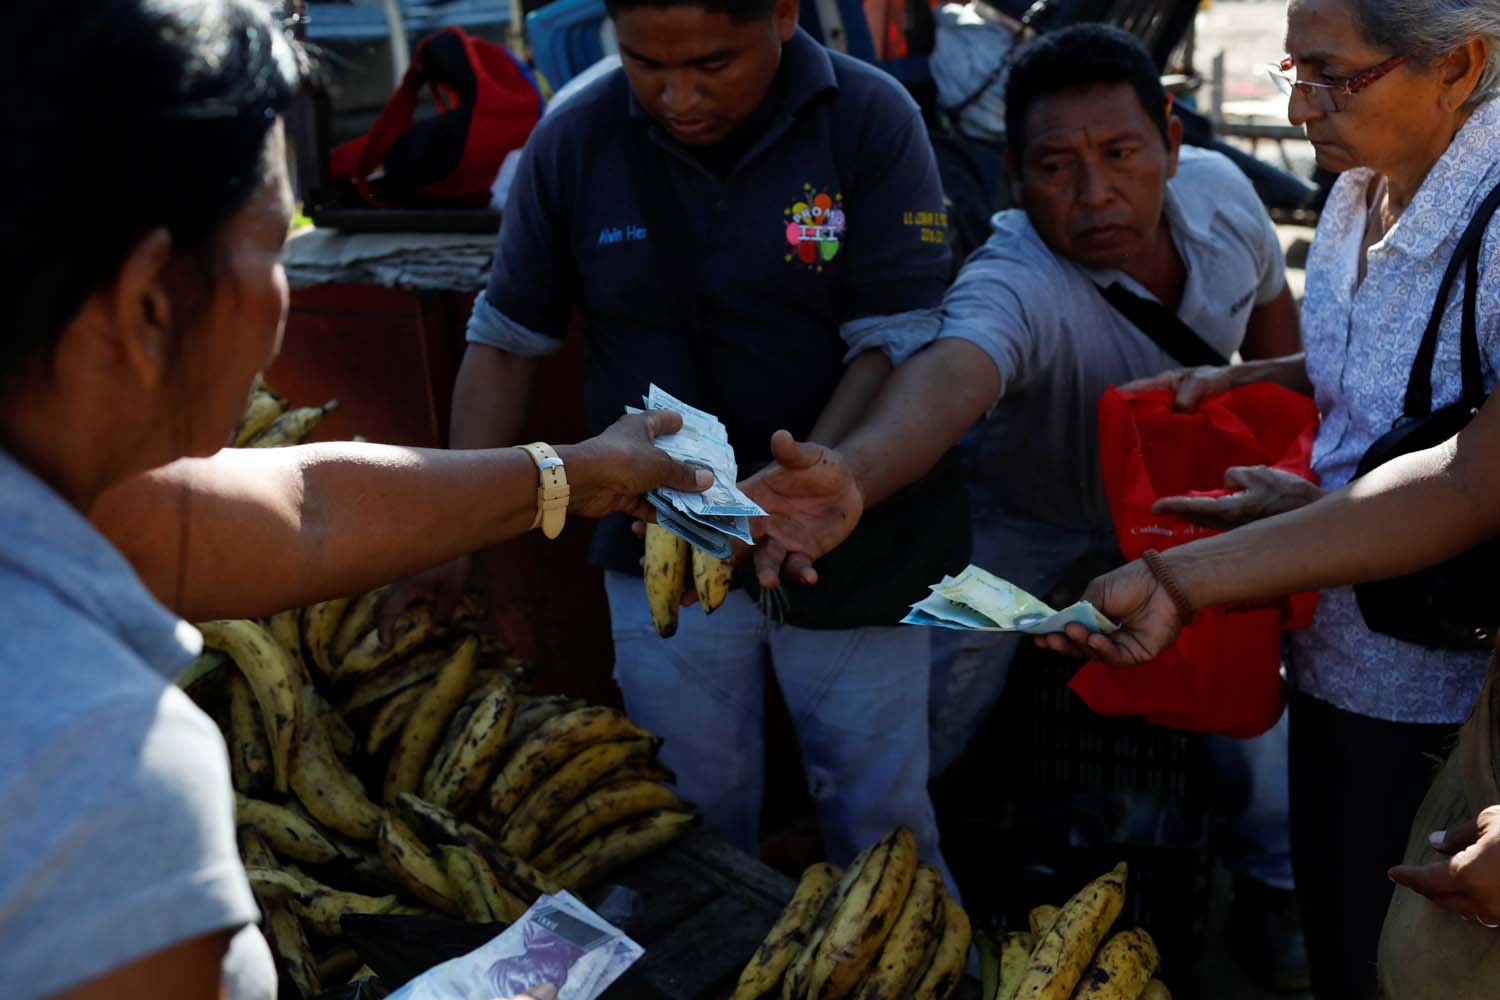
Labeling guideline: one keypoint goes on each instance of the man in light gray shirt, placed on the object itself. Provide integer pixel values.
(1111, 199)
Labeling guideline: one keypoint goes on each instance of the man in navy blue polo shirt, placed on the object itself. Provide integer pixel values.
(756, 225)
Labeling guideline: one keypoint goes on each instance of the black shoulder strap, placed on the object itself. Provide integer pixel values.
(1465, 255)
(1165, 328)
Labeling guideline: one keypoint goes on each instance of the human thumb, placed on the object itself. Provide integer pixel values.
(1455, 838)
(788, 453)
(688, 478)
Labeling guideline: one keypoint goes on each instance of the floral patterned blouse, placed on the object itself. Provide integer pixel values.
(1361, 339)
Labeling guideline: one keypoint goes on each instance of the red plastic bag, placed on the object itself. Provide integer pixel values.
(487, 106)
(1223, 673)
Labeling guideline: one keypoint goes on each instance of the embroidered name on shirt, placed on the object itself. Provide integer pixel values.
(616, 234)
(934, 225)
(1241, 302)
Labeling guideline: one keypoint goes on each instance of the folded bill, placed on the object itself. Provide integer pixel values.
(558, 941)
(713, 519)
(980, 601)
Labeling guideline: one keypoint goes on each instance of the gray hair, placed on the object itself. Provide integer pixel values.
(1428, 28)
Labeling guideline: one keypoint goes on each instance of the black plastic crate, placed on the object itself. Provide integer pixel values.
(1051, 795)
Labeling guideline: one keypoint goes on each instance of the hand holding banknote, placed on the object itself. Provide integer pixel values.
(1131, 595)
(976, 600)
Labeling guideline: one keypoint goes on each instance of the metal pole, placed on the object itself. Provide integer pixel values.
(400, 49)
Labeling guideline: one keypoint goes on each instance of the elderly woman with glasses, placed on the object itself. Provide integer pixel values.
(1399, 97)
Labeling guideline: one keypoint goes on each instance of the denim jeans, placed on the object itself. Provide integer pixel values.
(969, 670)
(858, 701)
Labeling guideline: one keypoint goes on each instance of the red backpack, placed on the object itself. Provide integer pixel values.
(487, 104)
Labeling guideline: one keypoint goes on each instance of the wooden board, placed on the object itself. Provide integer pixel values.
(704, 907)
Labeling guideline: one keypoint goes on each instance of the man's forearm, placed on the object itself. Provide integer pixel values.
(851, 399)
(923, 410)
(490, 398)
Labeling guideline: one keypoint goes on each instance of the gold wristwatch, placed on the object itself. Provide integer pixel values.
(552, 490)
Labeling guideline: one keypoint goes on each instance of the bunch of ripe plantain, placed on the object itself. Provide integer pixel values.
(417, 778)
(1068, 952)
(885, 929)
(670, 562)
(270, 422)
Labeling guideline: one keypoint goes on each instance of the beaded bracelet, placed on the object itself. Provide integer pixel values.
(1159, 569)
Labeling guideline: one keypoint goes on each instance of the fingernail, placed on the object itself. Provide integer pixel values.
(1437, 837)
(703, 478)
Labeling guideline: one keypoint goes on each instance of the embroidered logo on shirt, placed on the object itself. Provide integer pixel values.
(815, 227)
(1242, 302)
(619, 234)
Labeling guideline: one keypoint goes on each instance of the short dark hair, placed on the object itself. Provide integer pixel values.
(1084, 55)
(741, 11)
(123, 116)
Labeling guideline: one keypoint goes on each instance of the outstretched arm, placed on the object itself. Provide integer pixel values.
(1410, 513)
(254, 531)
(924, 408)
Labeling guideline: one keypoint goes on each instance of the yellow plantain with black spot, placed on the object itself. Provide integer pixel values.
(1121, 969)
(555, 742)
(429, 719)
(523, 832)
(325, 785)
(913, 940)
(273, 679)
(864, 920)
(762, 977)
(415, 866)
(604, 806)
(666, 566)
(941, 977)
(1063, 952)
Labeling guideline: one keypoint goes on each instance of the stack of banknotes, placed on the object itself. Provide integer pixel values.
(981, 601)
(558, 941)
(710, 521)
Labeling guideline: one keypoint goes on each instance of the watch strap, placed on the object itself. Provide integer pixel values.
(552, 491)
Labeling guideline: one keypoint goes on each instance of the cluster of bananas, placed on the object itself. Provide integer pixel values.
(1065, 953)
(669, 560)
(269, 422)
(420, 777)
(886, 929)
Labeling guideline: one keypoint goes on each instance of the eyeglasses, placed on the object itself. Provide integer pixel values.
(1329, 97)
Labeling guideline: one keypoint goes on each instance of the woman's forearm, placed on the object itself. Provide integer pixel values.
(253, 531)
(1289, 371)
(1411, 513)
(857, 389)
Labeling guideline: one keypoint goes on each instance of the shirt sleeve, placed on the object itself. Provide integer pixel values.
(528, 301)
(1270, 258)
(899, 336)
(897, 238)
(987, 308)
(117, 840)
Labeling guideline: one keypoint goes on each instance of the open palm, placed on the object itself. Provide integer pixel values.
(812, 504)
